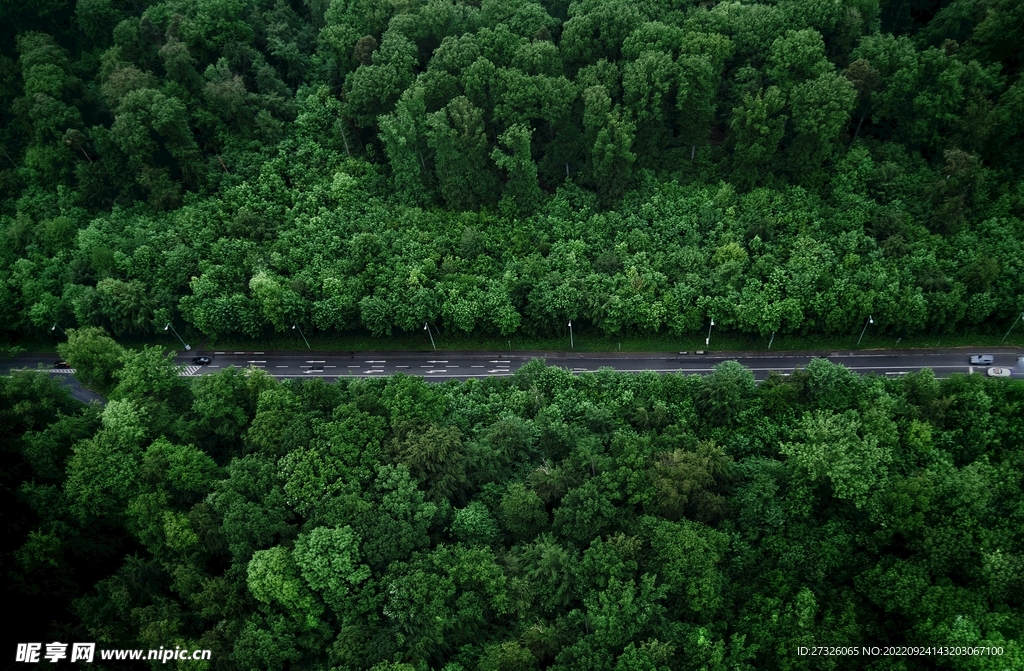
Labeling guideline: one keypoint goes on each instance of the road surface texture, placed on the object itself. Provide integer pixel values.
(65, 375)
(461, 365)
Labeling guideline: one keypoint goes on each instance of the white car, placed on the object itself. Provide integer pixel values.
(999, 372)
(981, 359)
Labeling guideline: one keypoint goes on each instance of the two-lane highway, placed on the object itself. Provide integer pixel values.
(461, 365)
(469, 364)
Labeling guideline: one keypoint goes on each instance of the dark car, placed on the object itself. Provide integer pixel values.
(201, 360)
(61, 364)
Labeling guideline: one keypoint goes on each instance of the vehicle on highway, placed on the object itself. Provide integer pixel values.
(999, 372)
(981, 359)
(201, 360)
(61, 364)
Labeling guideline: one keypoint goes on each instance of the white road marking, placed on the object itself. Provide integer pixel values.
(281, 366)
(401, 366)
(218, 352)
(476, 366)
(257, 361)
(315, 362)
(377, 361)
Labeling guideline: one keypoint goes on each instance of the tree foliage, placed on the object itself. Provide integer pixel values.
(242, 166)
(615, 521)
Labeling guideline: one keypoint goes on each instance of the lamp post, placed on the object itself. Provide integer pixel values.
(1011, 327)
(572, 345)
(168, 326)
(771, 340)
(427, 329)
(62, 330)
(870, 320)
(707, 341)
(295, 327)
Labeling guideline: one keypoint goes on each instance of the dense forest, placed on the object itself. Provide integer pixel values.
(592, 522)
(237, 167)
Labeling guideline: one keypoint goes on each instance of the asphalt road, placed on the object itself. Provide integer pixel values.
(65, 376)
(463, 365)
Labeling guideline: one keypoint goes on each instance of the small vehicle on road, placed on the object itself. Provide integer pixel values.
(61, 364)
(999, 372)
(981, 359)
(201, 360)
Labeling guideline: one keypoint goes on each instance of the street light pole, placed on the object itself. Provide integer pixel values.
(572, 345)
(771, 340)
(1011, 327)
(168, 326)
(427, 329)
(870, 320)
(296, 327)
(62, 330)
(707, 341)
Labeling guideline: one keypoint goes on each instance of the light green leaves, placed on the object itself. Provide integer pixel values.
(838, 448)
(329, 561)
(272, 577)
(94, 356)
